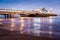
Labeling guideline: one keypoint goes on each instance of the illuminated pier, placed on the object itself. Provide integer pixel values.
(9, 13)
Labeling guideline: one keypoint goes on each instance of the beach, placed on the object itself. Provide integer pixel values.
(30, 28)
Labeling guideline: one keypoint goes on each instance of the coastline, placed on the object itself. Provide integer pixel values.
(39, 15)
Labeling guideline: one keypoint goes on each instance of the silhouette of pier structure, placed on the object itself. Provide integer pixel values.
(9, 13)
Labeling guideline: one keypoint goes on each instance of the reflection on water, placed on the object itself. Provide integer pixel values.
(1, 20)
(31, 25)
(12, 24)
(50, 27)
(22, 25)
(50, 20)
(37, 25)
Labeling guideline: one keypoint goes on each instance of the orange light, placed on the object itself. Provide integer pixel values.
(12, 24)
(22, 24)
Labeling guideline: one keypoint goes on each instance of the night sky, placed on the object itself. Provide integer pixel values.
(31, 4)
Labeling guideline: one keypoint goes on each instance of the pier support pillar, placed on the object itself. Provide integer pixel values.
(5, 15)
(8, 15)
(12, 15)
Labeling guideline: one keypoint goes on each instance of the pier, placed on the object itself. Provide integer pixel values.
(9, 13)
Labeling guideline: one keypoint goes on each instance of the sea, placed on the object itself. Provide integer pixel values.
(36, 26)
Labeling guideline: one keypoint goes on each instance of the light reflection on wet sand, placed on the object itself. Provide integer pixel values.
(22, 25)
(50, 27)
(12, 25)
(28, 25)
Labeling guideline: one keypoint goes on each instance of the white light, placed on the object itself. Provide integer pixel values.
(36, 20)
(50, 20)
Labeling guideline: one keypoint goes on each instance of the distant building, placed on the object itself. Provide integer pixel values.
(43, 10)
(37, 10)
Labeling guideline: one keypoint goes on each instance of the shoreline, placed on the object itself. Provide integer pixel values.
(39, 15)
(7, 36)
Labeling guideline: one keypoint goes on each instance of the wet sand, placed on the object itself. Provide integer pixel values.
(25, 29)
(6, 35)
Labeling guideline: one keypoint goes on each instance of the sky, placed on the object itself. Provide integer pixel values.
(31, 4)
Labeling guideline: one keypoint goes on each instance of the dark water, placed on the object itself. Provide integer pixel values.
(37, 26)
